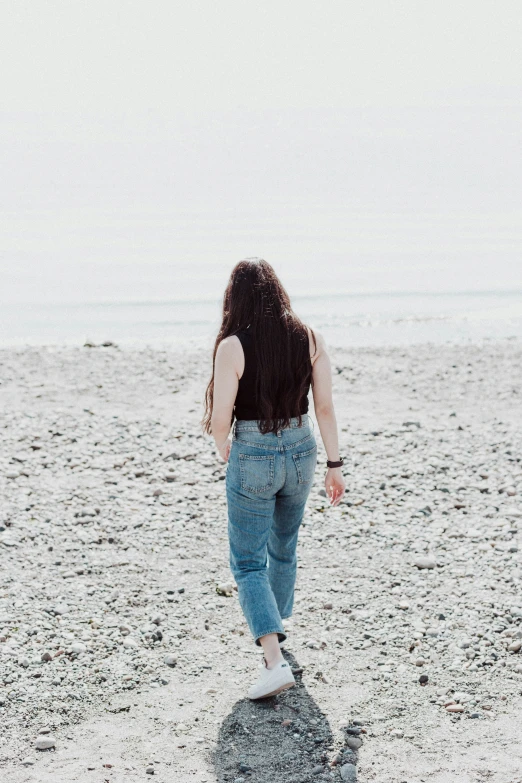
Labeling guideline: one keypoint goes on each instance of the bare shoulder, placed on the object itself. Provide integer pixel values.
(317, 344)
(229, 348)
(230, 354)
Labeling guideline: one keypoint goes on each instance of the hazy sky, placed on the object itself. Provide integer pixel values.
(145, 147)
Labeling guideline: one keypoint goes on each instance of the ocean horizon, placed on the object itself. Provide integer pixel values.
(345, 319)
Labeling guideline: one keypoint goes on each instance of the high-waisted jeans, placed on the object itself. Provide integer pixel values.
(268, 480)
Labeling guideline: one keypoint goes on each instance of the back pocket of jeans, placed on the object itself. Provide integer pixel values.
(305, 463)
(257, 473)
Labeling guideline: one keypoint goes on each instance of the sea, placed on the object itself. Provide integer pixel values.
(387, 227)
(343, 318)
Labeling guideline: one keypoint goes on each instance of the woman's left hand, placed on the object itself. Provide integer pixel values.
(224, 451)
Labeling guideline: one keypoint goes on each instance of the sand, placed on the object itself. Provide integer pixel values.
(113, 545)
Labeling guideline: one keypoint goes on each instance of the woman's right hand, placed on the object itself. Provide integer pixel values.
(224, 451)
(334, 485)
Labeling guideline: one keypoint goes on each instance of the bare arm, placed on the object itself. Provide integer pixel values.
(228, 369)
(325, 414)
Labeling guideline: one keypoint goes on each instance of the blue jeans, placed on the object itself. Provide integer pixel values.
(268, 481)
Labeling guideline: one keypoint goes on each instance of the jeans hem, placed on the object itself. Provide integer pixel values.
(281, 635)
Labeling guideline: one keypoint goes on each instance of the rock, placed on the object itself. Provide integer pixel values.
(45, 742)
(318, 769)
(354, 743)
(173, 455)
(88, 511)
(425, 562)
(170, 660)
(349, 773)
(397, 733)
(78, 647)
(462, 697)
(12, 474)
(149, 770)
(225, 588)
(28, 761)
(46, 657)
(423, 679)
(514, 647)
(130, 643)
(455, 708)
(473, 533)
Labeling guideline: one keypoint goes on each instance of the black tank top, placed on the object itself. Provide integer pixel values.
(245, 405)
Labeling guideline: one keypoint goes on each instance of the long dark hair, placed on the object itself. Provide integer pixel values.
(256, 298)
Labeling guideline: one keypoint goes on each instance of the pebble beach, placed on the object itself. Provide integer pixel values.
(123, 650)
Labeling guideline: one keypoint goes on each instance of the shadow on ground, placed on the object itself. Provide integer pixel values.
(254, 745)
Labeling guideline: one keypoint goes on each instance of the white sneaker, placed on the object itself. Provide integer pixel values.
(272, 681)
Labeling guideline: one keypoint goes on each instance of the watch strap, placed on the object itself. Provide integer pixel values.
(335, 464)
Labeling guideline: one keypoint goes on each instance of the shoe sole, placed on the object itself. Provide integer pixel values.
(275, 692)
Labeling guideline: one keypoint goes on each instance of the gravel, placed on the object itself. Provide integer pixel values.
(113, 537)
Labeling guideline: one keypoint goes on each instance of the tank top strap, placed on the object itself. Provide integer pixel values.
(243, 336)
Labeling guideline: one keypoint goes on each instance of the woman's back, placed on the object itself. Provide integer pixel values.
(290, 389)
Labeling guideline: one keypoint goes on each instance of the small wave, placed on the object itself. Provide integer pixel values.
(374, 322)
(423, 318)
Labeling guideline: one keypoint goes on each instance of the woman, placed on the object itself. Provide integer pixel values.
(265, 360)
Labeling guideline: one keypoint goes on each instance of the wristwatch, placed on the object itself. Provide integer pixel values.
(338, 464)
